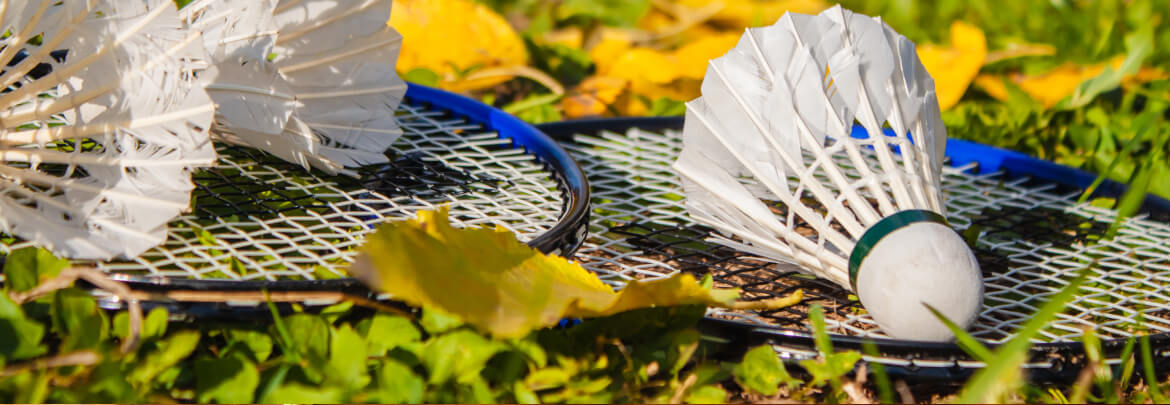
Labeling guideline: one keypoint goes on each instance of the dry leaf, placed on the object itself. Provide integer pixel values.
(594, 96)
(502, 286)
(693, 57)
(754, 13)
(451, 37)
(1054, 85)
(953, 67)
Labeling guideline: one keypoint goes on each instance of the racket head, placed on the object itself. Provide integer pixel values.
(300, 229)
(653, 238)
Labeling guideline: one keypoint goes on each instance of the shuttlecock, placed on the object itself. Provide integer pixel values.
(310, 81)
(101, 121)
(768, 158)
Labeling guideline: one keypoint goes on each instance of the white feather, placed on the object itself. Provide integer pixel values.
(327, 97)
(773, 128)
(100, 124)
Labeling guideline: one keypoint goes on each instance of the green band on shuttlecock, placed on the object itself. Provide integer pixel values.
(882, 228)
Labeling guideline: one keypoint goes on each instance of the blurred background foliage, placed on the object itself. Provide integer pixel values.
(1081, 83)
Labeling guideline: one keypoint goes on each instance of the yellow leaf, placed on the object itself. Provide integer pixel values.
(454, 36)
(754, 13)
(992, 85)
(645, 65)
(953, 67)
(606, 53)
(500, 285)
(594, 96)
(693, 57)
(1049, 88)
(1054, 85)
(656, 20)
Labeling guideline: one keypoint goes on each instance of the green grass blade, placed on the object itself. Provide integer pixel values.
(1148, 367)
(884, 388)
(965, 341)
(1125, 369)
(1002, 371)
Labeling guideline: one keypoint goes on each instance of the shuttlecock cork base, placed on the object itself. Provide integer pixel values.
(913, 258)
(769, 161)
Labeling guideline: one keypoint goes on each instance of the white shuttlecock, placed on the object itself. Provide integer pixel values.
(768, 159)
(310, 81)
(101, 121)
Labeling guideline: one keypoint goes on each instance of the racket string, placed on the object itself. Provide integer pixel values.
(1031, 238)
(258, 218)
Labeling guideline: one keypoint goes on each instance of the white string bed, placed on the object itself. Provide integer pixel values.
(1032, 240)
(258, 218)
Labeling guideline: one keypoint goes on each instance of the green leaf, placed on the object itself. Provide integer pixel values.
(27, 267)
(762, 372)
(523, 394)
(459, 355)
(1139, 45)
(423, 76)
(168, 353)
(686, 342)
(153, 326)
(475, 391)
(569, 65)
(231, 380)
(384, 332)
(302, 394)
(35, 390)
(547, 378)
(707, 394)
(667, 107)
(347, 359)
(436, 321)
(399, 384)
(259, 343)
(831, 368)
(624, 13)
(20, 337)
(333, 312)
(532, 350)
(310, 336)
(77, 318)
(536, 108)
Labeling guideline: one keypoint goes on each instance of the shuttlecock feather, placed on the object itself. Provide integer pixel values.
(310, 81)
(101, 121)
(769, 162)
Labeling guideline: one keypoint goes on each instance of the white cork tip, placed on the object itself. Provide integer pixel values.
(924, 262)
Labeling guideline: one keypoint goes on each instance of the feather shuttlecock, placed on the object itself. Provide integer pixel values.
(310, 81)
(102, 122)
(768, 158)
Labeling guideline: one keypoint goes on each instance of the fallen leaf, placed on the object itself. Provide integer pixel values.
(501, 285)
(643, 65)
(454, 37)
(694, 56)
(594, 96)
(1054, 85)
(954, 66)
(606, 53)
(754, 13)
